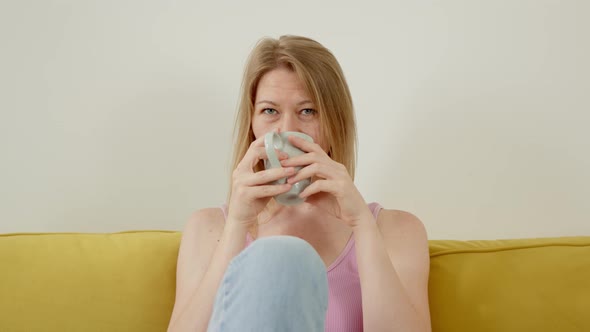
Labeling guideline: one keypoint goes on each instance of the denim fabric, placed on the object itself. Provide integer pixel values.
(277, 283)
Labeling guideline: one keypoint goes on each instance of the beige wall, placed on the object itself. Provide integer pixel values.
(473, 115)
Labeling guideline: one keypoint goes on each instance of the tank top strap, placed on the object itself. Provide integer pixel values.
(224, 209)
(375, 209)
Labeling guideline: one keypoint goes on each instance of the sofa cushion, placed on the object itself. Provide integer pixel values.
(87, 282)
(510, 285)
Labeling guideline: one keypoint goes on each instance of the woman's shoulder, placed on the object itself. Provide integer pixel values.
(207, 220)
(406, 242)
(397, 223)
(208, 214)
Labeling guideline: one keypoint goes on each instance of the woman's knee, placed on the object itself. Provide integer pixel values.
(285, 252)
(283, 261)
(287, 279)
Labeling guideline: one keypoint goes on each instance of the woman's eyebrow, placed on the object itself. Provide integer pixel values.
(275, 104)
(304, 102)
(266, 102)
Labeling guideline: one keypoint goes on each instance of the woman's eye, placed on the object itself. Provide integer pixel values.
(269, 111)
(308, 111)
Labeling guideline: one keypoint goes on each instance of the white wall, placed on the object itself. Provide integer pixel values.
(117, 115)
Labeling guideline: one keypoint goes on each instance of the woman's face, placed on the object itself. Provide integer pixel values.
(283, 104)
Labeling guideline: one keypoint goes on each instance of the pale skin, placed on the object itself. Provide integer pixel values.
(392, 253)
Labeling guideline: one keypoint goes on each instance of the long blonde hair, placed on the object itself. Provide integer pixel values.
(320, 72)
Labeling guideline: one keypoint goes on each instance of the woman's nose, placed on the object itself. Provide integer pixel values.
(288, 123)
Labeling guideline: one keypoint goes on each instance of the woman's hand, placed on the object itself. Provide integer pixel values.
(329, 176)
(252, 190)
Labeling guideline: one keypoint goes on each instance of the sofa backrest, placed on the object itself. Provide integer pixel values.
(510, 285)
(126, 282)
(87, 282)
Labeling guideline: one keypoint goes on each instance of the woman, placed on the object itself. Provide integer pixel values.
(332, 262)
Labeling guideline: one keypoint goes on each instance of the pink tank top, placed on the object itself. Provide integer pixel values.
(345, 312)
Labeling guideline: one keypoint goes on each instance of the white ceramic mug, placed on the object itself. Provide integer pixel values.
(274, 141)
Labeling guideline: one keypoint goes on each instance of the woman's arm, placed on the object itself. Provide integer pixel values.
(393, 264)
(209, 244)
(393, 261)
(205, 251)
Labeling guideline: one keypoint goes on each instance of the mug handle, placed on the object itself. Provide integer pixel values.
(272, 142)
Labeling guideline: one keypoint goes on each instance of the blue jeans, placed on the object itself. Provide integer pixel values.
(277, 283)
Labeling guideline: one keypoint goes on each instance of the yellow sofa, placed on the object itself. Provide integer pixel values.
(125, 282)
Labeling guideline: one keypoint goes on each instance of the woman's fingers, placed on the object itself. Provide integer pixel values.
(254, 193)
(267, 176)
(307, 159)
(330, 171)
(254, 155)
(269, 190)
(313, 170)
(303, 144)
(316, 187)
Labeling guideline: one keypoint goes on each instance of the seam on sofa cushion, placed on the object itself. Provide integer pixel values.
(505, 248)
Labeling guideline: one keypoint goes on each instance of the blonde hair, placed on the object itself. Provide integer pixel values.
(321, 74)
